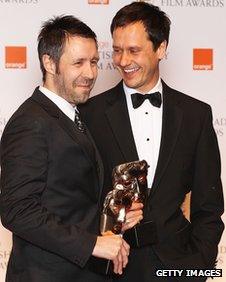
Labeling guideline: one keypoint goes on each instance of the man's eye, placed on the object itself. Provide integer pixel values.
(94, 62)
(78, 63)
(134, 51)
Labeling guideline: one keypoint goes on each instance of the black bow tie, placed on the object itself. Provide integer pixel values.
(154, 98)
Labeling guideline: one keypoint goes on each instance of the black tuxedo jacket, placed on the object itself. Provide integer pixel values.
(188, 161)
(51, 182)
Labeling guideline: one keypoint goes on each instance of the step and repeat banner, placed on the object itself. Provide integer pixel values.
(195, 61)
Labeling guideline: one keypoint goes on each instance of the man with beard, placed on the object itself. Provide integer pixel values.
(52, 174)
(143, 118)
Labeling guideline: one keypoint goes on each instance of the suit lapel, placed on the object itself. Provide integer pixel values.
(118, 118)
(83, 140)
(86, 143)
(98, 164)
(171, 123)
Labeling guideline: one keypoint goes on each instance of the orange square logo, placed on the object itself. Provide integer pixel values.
(202, 59)
(15, 57)
(98, 2)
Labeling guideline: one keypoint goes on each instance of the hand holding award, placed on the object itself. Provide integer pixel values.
(129, 186)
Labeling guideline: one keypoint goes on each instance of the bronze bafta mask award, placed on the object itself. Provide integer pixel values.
(129, 185)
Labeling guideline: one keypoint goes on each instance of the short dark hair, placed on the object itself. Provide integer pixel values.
(53, 35)
(155, 21)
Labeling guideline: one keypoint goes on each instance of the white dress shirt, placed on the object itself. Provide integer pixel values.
(146, 123)
(60, 102)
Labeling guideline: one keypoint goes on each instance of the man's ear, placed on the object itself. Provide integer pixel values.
(162, 50)
(48, 64)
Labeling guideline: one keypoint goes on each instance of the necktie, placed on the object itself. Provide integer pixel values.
(78, 122)
(154, 98)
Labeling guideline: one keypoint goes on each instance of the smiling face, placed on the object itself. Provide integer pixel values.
(135, 58)
(77, 71)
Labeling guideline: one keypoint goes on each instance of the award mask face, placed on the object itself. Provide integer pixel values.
(129, 185)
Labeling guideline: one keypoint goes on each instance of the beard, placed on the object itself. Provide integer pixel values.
(76, 92)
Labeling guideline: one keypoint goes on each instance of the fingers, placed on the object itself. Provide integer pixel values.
(126, 247)
(135, 214)
(136, 206)
(133, 217)
(122, 258)
(118, 265)
(114, 248)
(115, 265)
(124, 253)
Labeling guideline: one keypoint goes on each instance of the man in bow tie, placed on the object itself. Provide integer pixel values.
(51, 171)
(143, 118)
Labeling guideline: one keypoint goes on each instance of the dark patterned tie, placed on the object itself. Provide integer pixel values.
(78, 122)
(154, 98)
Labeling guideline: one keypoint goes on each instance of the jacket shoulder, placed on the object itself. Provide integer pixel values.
(99, 101)
(28, 114)
(186, 101)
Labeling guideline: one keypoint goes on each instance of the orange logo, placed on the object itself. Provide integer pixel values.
(98, 2)
(15, 57)
(202, 59)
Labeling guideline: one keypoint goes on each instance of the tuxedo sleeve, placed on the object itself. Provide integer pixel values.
(24, 171)
(207, 196)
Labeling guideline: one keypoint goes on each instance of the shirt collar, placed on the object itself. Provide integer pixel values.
(61, 103)
(156, 88)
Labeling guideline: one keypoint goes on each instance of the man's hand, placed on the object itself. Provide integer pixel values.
(121, 260)
(133, 216)
(114, 248)
(108, 246)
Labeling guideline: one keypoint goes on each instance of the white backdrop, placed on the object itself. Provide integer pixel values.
(196, 24)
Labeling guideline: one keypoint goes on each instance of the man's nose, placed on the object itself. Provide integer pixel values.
(124, 59)
(89, 71)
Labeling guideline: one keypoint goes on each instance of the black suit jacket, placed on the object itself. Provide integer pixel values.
(188, 161)
(51, 182)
